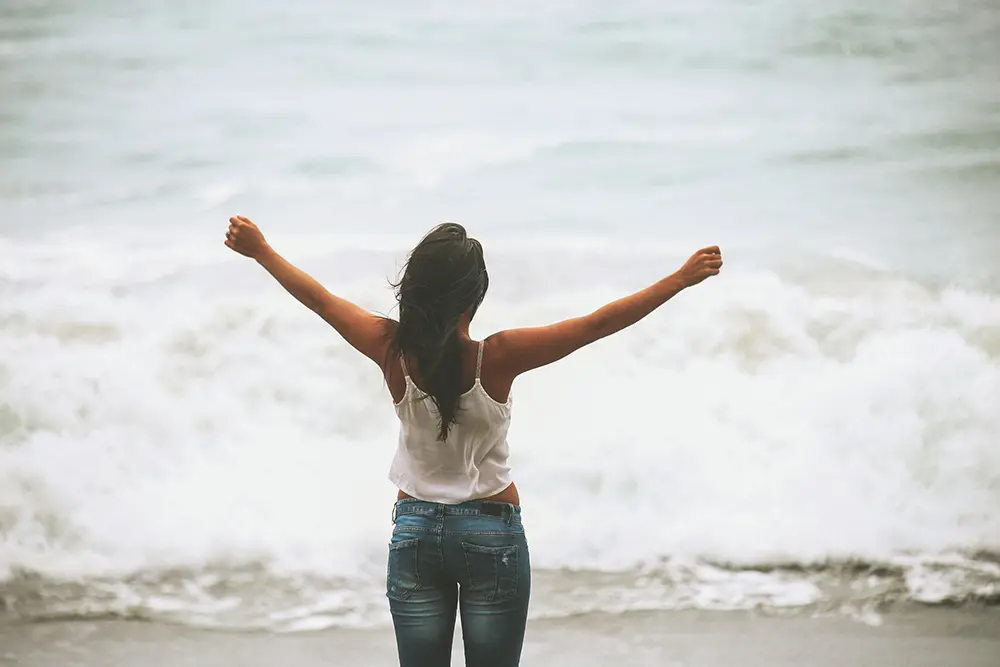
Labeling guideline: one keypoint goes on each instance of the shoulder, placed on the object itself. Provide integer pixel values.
(497, 348)
(388, 352)
(388, 325)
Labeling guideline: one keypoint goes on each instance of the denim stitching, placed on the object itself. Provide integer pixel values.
(411, 529)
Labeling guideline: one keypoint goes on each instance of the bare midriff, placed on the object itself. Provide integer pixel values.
(508, 495)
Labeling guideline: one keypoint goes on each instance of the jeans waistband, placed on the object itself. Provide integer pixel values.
(505, 511)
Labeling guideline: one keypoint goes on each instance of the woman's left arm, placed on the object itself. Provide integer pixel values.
(364, 331)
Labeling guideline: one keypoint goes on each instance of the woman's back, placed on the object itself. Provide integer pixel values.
(470, 463)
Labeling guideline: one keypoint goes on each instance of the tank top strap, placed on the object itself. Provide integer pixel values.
(479, 360)
(402, 363)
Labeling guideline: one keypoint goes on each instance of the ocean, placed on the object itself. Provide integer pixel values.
(817, 428)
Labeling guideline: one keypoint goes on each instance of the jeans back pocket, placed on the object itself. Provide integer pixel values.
(493, 571)
(402, 573)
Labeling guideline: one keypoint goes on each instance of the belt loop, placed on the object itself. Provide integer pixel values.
(394, 508)
(508, 509)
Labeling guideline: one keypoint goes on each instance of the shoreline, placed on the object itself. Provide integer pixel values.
(915, 636)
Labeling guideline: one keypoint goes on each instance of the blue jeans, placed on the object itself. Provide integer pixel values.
(471, 557)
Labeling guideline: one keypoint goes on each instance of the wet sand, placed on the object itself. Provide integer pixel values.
(918, 637)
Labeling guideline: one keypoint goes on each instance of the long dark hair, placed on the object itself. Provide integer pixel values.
(444, 278)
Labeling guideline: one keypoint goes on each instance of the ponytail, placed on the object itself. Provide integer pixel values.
(445, 278)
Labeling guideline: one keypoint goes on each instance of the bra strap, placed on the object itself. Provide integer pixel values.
(479, 359)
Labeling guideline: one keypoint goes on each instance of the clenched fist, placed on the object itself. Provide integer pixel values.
(245, 238)
(703, 264)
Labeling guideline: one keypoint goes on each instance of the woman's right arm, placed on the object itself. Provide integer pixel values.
(521, 350)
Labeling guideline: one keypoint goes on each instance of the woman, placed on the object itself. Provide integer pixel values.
(458, 543)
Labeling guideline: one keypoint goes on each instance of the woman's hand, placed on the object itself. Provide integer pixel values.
(245, 238)
(703, 264)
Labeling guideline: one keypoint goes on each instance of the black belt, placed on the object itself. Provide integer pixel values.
(493, 509)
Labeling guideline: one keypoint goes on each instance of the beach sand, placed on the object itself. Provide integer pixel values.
(915, 637)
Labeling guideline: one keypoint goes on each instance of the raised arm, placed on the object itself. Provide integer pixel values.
(521, 350)
(365, 331)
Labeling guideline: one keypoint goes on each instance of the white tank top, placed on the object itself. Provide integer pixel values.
(471, 463)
